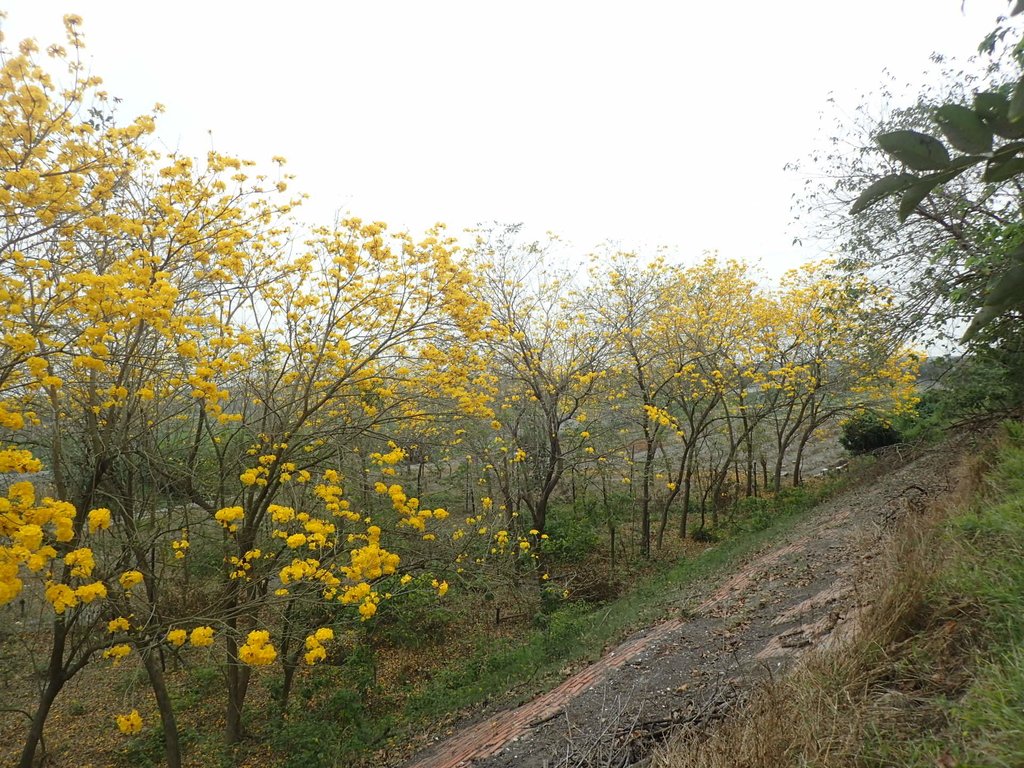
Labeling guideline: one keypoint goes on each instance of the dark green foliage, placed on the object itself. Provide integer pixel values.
(418, 620)
(562, 630)
(964, 128)
(866, 432)
(989, 381)
(704, 535)
(918, 151)
(754, 513)
(879, 190)
(571, 538)
(147, 750)
(996, 288)
(330, 722)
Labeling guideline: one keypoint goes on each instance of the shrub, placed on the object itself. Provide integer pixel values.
(571, 539)
(866, 432)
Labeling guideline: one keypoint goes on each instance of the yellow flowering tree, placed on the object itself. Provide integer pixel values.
(637, 305)
(66, 164)
(193, 386)
(551, 364)
(834, 354)
(371, 331)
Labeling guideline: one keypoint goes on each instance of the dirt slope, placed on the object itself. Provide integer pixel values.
(798, 593)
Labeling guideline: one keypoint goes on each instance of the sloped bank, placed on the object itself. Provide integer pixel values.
(790, 596)
(933, 674)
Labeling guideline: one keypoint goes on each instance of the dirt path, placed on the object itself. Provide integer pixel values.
(797, 593)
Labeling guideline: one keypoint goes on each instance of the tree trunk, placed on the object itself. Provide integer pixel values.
(172, 740)
(687, 491)
(55, 680)
(798, 462)
(286, 685)
(35, 732)
(663, 524)
(238, 684)
(645, 504)
(777, 476)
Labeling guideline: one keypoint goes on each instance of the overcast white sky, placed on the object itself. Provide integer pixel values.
(644, 123)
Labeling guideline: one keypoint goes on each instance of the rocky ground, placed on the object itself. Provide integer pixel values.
(796, 594)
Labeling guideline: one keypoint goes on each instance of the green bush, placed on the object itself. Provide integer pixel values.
(570, 538)
(416, 620)
(330, 722)
(562, 631)
(704, 536)
(866, 432)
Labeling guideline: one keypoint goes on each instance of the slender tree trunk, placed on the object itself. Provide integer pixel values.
(35, 732)
(704, 505)
(608, 518)
(777, 476)
(238, 684)
(751, 468)
(663, 524)
(55, 680)
(289, 658)
(172, 739)
(286, 684)
(798, 463)
(687, 492)
(645, 503)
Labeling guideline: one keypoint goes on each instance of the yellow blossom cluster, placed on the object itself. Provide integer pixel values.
(393, 456)
(257, 651)
(241, 566)
(228, 517)
(350, 584)
(200, 637)
(29, 531)
(660, 415)
(81, 562)
(99, 519)
(180, 546)
(409, 508)
(315, 651)
(370, 561)
(129, 579)
(130, 724)
(316, 533)
(331, 496)
(117, 652)
(255, 476)
(363, 596)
